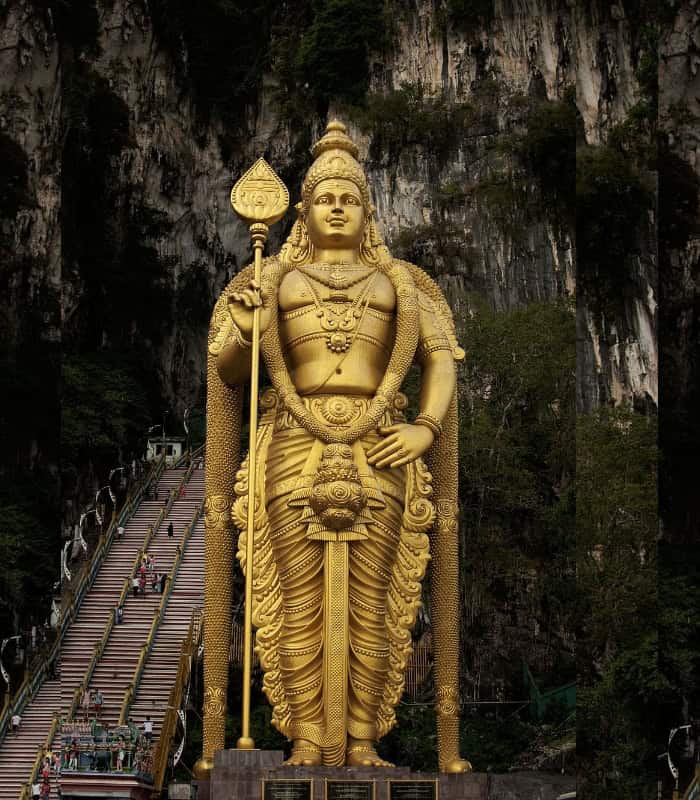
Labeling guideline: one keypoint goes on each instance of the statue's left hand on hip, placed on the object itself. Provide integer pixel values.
(402, 444)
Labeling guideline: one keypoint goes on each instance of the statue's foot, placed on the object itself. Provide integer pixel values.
(458, 765)
(361, 753)
(304, 754)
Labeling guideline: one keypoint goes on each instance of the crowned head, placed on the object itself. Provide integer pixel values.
(335, 208)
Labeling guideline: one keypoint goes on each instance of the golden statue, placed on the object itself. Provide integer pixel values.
(347, 512)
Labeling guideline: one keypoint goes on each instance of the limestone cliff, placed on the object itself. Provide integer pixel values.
(173, 162)
(114, 150)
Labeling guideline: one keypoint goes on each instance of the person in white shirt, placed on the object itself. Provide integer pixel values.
(16, 720)
(36, 790)
(148, 729)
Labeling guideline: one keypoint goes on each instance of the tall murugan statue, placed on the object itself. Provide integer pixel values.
(352, 499)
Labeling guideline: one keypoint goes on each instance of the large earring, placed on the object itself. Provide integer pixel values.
(298, 248)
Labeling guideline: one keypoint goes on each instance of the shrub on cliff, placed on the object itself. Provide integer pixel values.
(333, 55)
(611, 201)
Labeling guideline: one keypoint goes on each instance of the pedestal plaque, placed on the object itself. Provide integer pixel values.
(291, 789)
(413, 790)
(350, 790)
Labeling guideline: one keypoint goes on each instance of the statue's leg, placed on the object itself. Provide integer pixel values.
(371, 566)
(300, 566)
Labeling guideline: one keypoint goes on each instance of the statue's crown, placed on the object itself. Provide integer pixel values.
(335, 156)
(335, 138)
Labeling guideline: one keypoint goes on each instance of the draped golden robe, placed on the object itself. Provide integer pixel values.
(387, 554)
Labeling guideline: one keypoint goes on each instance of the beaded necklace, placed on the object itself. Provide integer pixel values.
(405, 343)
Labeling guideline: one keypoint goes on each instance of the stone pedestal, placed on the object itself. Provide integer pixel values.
(238, 775)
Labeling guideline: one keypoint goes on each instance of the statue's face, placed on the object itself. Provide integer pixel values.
(336, 216)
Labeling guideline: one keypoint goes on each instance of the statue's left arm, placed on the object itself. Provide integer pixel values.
(405, 442)
(438, 409)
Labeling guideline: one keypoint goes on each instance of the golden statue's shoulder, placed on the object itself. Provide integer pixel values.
(432, 300)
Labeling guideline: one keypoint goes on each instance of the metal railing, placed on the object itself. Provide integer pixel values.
(188, 655)
(133, 686)
(70, 604)
(86, 582)
(100, 646)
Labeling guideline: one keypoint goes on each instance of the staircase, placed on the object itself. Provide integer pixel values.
(99, 603)
(114, 670)
(19, 750)
(187, 593)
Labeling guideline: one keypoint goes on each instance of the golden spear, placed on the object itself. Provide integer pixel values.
(260, 199)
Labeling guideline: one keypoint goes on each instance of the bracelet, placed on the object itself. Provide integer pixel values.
(429, 421)
(240, 341)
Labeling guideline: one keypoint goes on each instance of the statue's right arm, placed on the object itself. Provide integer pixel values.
(233, 363)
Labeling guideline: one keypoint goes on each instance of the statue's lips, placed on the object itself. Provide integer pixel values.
(336, 222)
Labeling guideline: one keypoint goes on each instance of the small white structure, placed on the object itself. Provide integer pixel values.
(174, 447)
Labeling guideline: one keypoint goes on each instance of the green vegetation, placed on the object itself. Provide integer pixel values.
(548, 149)
(505, 197)
(325, 45)
(611, 205)
(492, 741)
(104, 410)
(679, 199)
(29, 485)
(517, 479)
(541, 152)
(407, 117)
(220, 48)
(467, 15)
(439, 249)
(620, 686)
(333, 56)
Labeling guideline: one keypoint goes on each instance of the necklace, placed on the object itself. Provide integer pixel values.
(335, 276)
(405, 342)
(340, 322)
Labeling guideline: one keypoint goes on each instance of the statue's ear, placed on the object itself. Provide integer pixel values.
(300, 208)
(371, 209)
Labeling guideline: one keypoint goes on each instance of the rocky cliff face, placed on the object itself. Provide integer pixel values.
(461, 184)
(429, 206)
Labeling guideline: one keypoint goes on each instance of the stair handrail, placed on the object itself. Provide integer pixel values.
(109, 625)
(71, 601)
(159, 612)
(25, 792)
(192, 454)
(188, 653)
(76, 594)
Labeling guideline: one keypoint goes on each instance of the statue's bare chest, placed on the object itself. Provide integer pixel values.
(350, 317)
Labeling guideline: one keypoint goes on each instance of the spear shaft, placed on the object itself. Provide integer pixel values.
(258, 232)
(261, 199)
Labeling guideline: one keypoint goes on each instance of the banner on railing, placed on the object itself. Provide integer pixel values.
(64, 561)
(181, 746)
